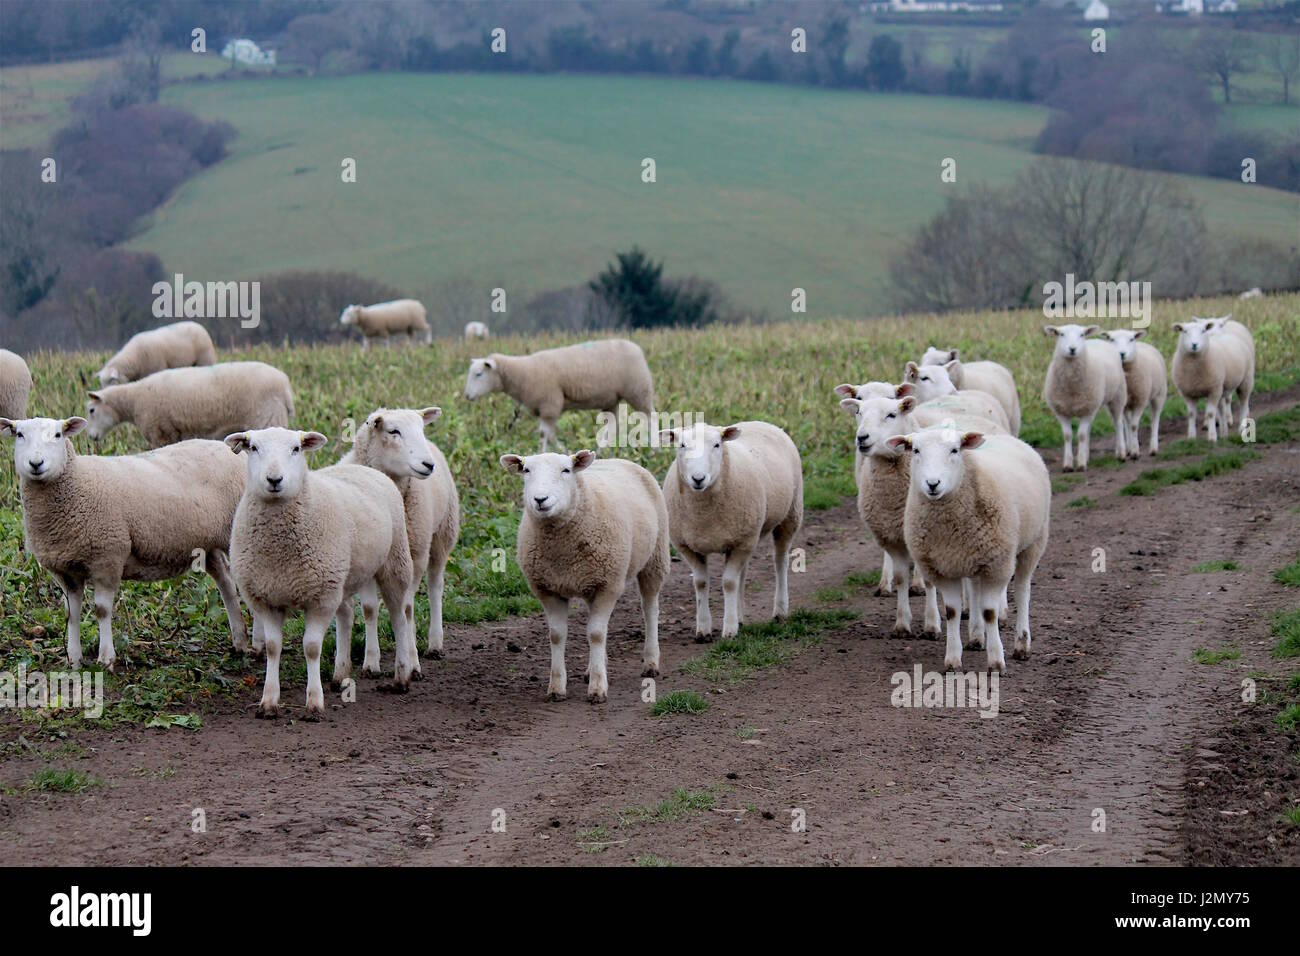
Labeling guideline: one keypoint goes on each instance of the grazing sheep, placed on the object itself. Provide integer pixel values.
(978, 508)
(392, 441)
(102, 520)
(1084, 375)
(989, 377)
(1146, 382)
(476, 330)
(15, 385)
(386, 319)
(178, 345)
(1215, 358)
(208, 402)
(588, 528)
(1253, 293)
(727, 488)
(593, 375)
(311, 540)
(934, 382)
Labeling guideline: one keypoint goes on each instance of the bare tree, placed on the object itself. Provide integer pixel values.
(1223, 53)
(314, 36)
(1282, 54)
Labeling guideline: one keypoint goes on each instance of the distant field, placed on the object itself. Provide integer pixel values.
(532, 182)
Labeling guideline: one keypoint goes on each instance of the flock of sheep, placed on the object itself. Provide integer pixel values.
(944, 485)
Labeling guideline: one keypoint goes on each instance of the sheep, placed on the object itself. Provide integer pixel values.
(310, 540)
(476, 330)
(386, 319)
(1146, 382)
(15, 385)
(179, 345)
(1215, 357)
(934, 382)
(883, 481)
(592, 375)
(989, 377)
(181, 403)
(392, 441)
(727, 489)
(1083, 376)
(978, 508)
(588, 528)
(1252, 293)
(101, 520)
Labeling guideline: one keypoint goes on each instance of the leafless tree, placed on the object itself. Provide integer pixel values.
(1282, 54)
(1223, 53)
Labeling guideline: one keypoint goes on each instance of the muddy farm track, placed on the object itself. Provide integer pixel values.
(1112, 713)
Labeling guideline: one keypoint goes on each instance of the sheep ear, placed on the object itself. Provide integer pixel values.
(952, 355)
(972, 440)
(7, 427)
(512, 463)
(904, 390)
(731, 433)
(376, 422)
(73, 426)
(851, 405)
(313, 440)
(846, 390)
(1105, 336)
(1178, 326)
(430, 415)
(668, 437)
(1091, 330)
(1139, 333)
(487, 363)
(1051, 330)
(94, 396)
(907, 404)
(912, 370)
(899, 441)
(951, 367)
(238, 442)
(582, 459)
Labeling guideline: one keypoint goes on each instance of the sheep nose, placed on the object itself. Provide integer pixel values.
(428, 466)
(864, 442)
(933, 485)
(274, 482)
(1073, 350)
(698, 480)
(540, 499)
(36, 464)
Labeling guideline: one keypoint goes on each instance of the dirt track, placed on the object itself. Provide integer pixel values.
(1111, 713)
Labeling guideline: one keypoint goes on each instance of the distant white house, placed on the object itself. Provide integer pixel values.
(940, 6)
(1224, 6)
(1097, 11)
(247, 52)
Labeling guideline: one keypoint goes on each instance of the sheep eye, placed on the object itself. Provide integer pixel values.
(18, 434)
(296, 449)
(717, 444)
(925, 378)
(58, 435)
(252, 448)
(890, 415)
(954, 451)
(565, 472)
(525, 471)
(395, 431)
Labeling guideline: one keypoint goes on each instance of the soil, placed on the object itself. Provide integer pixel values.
(1111, 715)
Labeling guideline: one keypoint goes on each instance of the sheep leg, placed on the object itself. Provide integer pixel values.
(273, 624)
(1026, 563)
(73, 594)
(903, 612)
(699, 565)
(435, 578)
(219, 569)
(1244, 392)
(1157, 407)
(650, 618)
(1085, 441)
(886, 585)
(932, 628)
(370, 612)
(1132, 440)
(781, 600)
(740, 595)
(1191, 416)
(950, 588)
(598, 613)
(399, 598)
(1212, 415)
(105, 593)
(547, 428)
(313, 638)
(731, 575)
(343, 643)
(557, 622)
(1121, 430)
(986, 594)
(259, 635)
(1067, 433)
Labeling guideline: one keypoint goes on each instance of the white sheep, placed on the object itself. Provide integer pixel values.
(989, 377)
(386, 319)
(1252, 293)
(978, 508)
(593, 375)
(476, 330)
(178, 345)
(934, 382)
(1145, 380)
(100, 520)
(1214, 359)
(727, 489)
(1084, 375)
(589, 527)
(311, 540)
(208, 402)
(15, 385)
(392, 441)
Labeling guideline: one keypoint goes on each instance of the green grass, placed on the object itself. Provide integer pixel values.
(681, 803)
(761, 187)
(679, 702)
(1289, 575)
(1286, 628)
(1289, 719)
(1081, 502)
(1291, 815)
(862, 579)
(1152, 480)
(53, 780)
(831, 596)
(1209, 567)
(764, 645)
(594, 839)
(1206, 656)
(649, 859)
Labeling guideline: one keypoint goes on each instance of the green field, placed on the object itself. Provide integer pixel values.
(532, 182)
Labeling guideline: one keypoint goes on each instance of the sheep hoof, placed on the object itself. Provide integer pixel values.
(267, 711)
(434, 653)
(595, 697)
(916, 591)
(417, 674)
(650, 670)
(394, 686)
(554, 697)
(313, 715)
(882, 591)
(1020, 654)
(900, 631)
(952, 663)
(369, 671)
(933, 633)
(701, 638)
